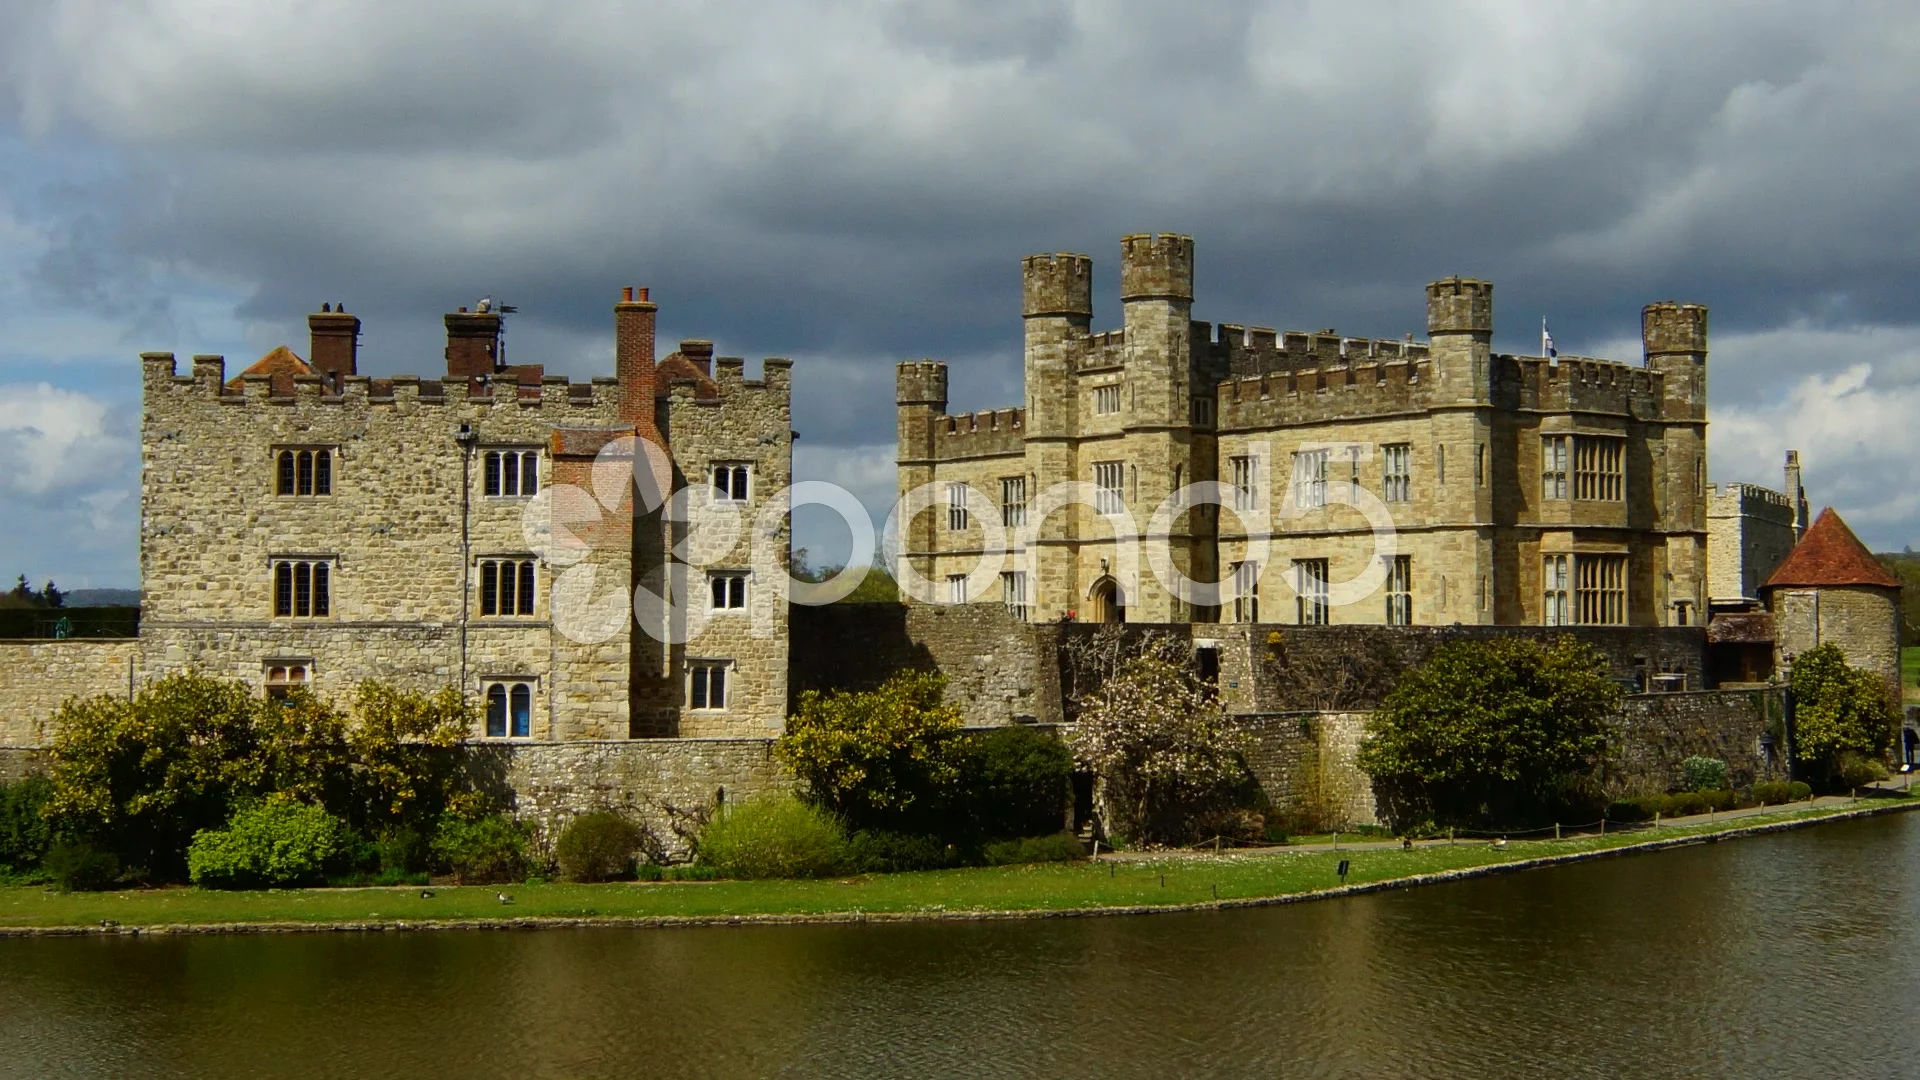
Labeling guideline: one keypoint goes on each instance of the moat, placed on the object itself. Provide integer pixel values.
(1775, 955)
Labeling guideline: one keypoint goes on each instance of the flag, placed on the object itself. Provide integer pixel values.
(1546, 341)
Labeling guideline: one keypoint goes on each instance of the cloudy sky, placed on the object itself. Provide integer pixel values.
(851, 184)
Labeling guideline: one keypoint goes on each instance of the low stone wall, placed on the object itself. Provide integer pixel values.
(998, 668)
(1659, 731)
(1307, 764)
(36, 677)
(669, 785)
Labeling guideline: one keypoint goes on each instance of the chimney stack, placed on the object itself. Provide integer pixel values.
(473, 343)
(633, 360)
(335, 349)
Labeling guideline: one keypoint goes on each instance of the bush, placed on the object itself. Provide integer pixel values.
(1718, 800)
(774, 837)
(1858, 770)
(874, 851)
(487, 851)
(1799, 790)
(1839, 711)
(1017, 782)
(1684, 804)
(597, 847)
(1058, 847)
(25, 833)
(884, 758)
(1772, 792)
(76, 866)
(270, 846)
(1704, 773)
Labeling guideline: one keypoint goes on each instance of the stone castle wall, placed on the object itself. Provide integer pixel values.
(1863, 620)
(36, 677)
(999, 669)
(1659, 731)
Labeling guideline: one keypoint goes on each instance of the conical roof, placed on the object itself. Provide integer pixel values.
(1829, 554)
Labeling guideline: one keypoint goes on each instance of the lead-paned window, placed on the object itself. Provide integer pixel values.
(303, 472)
(512, 473)
(302, 589)
(1310, 589)
(956, 588)
(1400, 591)
(1013, 592)
(707, 685)
(1597, 473)
(956, 507)
(1396, 473)
(1106, 400)
(730, 482)
(1600, 589)
(283, 678)
(1246, 592)
(1013, 501)
(1245, 473)
(1555, 583)
(1108, 495)
(1553, 467)
(1310, 479)
(728, 590)
(506, 587)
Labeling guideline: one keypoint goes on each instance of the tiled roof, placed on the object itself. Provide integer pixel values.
(281, 363)
(585, 442)
(1829, 554)
(1741, 628)
(676, 367)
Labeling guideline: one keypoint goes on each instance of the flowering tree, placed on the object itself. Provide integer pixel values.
(1159, 743)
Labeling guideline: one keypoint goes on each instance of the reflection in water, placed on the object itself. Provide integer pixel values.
(1779, 956)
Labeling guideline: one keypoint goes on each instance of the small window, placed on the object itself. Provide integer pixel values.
(1013, 592)
(1555, 578)
(1310, 479)
(956, 588)
(1203, 412)
(284, 678)
(302, 589)
(1400, 591)
(1310, 587)
(956, 507)
(1397, 475)
(1013, 501)
(1246, 592)
(1106, 400)
(506, 587)
(730, 483)
(303, 472)
(1480, 465)
(1553, 467)
(512, 473)
(510, 710)
(1108, 496)
(1245, 471)
(729, 590)
(707, 685)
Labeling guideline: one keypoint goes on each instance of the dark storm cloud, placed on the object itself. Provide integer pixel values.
(853, 183)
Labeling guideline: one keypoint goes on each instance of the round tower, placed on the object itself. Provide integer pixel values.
(1156, 267)
(1057, 305)
(1674, 337)
(1460, 332)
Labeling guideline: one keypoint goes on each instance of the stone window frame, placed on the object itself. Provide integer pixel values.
(732, 481)
(1310, 477)
(956, 588)
(1396, 472)
(957, 517)
(510, 692)
(304, 471)
(1399, 590)
(1246, 591)
(727, 590)
(1310, 588)
(1201, 411)
(296, 582)
(491, 586)
(1555, 459)
(1015, 593)
(510, 472)
(1106, 400)
(1556, 589)
(1599, 468)
(1243, 470)
(704, 675)
(1109, 483)
(1013, 501)
(280, 676)
(1600, 588)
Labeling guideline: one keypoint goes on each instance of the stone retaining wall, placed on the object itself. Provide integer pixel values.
(36, 677)
(1659, 731)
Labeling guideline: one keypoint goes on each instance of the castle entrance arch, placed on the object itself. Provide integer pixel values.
(1106, 602)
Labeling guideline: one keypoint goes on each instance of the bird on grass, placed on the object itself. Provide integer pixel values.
(426, 894)
(504, 898)
(1502, 842)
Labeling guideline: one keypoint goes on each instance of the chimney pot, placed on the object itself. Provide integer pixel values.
(643, 293)
(626, 294)
(463, 309)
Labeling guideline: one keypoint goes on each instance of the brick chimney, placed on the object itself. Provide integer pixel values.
(336, 343)
(473, 343)
(633, 361)
(699, 353)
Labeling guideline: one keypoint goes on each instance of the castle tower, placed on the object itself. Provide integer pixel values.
(1056, 309)
(1156, 297)
(1796, 495)
(1460, 328)
(1674, 336)
(920, 398)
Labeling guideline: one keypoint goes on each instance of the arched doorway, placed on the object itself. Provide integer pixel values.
(1106, 602)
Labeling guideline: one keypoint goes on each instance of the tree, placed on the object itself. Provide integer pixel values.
(402, 742)
(1838, 710)
(1491, 731)
(51, 595)
(882, 758)
(1159, 745)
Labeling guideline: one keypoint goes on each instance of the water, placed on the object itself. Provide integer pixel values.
(1792, 955)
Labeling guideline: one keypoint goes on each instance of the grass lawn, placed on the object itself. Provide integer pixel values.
(1173, 880)
(1910, 672)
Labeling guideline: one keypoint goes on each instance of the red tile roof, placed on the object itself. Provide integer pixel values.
(677, 367)
(1829, 554)
(1741, 628)
(281, 363)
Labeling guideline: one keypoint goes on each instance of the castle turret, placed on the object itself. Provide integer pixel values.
(1156, 297)
(1796, 495)
(1057, 307)
(1460, 327)
(1674, 336)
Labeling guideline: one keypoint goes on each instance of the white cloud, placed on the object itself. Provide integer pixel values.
(68, 476)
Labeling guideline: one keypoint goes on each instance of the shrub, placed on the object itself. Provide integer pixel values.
(486, 851)
(1683, 804)
(1491, 731)
(774, 837)
(1857, 770)
(883, 758)
(25, 833)
(1704, 773)
(1772, 792)
(1799, 790)
(77, 866)
(270, 846)
(597, 847)
(874, 851)
(1631, 810)
(1718, 800)
(1058, 847)
(1016, 782)
(1839, 710)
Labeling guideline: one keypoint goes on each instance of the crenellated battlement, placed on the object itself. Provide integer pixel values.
(209, 383)
(1305, 395)
(1734, 497)
(987, 433)
(1579, 384)
(1251, 351)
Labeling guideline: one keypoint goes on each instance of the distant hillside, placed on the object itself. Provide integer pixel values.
(103, 598)
(1906, 566)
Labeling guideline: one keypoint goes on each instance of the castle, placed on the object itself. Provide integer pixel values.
(1520, 490)
(303, 524)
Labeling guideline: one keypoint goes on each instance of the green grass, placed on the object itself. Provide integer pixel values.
(1910, 672)
(1045, 887)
